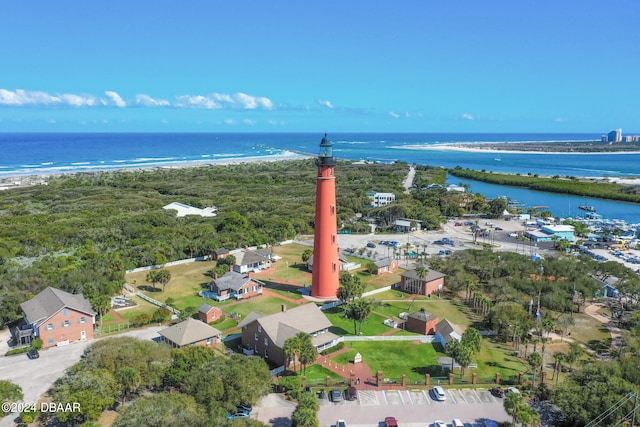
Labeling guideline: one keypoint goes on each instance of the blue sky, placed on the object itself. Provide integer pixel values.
(289, 66)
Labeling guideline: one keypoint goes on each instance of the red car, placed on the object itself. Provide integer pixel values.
(390, 422)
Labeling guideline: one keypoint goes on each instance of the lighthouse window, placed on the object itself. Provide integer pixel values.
(333, 209)
(334, 267)
(333, 238)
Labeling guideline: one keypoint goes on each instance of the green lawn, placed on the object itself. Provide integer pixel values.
(224, 324)
(317, 372)
(444, 309)
(395, 358)
(341, 326)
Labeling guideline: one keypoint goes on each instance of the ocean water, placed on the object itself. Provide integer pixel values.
(23, 154)
(51, 153)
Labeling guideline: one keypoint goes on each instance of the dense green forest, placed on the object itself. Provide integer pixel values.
(556, 184)
(81, 232)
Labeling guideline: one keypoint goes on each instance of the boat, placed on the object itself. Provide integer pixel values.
(587, 208)
(498, 159)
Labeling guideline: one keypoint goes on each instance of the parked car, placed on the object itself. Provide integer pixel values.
(497, 228)
(336, 395)
(352, 393)
(457, 423)
(322, 394)
(512, 390)
(239, 414)
(489, 423)
(33, 354)
(438, 393)
(390, 422)
(371, 245)
(341, 423)
(394, 243)
(439, 423)
(245, 407)
(513, 234)
(497, 391)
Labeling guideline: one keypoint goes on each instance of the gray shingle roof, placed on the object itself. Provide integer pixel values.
(384, 262)
(232, 280)
(448, 330)
(205, 308)
(306, 318)
(52, 300)
(188, 332)
(423, 315)
(252, 257)
(431, 275)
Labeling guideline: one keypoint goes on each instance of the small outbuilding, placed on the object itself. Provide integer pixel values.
(422, 322)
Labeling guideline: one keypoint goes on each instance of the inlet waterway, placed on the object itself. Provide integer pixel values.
(560, 205)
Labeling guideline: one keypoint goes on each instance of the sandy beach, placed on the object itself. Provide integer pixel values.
(8, 182)
(503, 147)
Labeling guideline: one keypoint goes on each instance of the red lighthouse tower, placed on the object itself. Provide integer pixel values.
(326, 270)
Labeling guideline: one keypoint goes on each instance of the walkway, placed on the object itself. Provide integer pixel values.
(408, 181)
(616, 335)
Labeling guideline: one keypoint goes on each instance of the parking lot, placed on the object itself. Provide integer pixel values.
(413, 408)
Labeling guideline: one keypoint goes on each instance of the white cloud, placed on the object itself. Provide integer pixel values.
(229, 121)
(213, 101)
(394, 115)
(22, 97)
(326, 103)
(147, 101)
(249, 122)
(216, 101)
(115, 98)
(467, 116)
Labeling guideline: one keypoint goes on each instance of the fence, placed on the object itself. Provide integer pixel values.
(158, 303)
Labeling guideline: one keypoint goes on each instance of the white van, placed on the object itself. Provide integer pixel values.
(438, 393)
(457, 423)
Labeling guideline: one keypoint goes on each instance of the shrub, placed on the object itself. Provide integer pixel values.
(333, 349)
(36, 343)
(17, 351)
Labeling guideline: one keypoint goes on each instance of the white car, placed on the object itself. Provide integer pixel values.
(438, 393)
(457, 423)
(439, 423)
(513, 234)
(512, 390)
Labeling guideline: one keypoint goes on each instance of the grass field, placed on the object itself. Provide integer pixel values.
(444, 309)
(341, 326)
(262, 304)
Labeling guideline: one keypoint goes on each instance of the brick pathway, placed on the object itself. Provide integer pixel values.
(117, 316)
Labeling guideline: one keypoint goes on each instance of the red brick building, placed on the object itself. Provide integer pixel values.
(57, 318)
(431, 283)
(422, 322)
(208, 313)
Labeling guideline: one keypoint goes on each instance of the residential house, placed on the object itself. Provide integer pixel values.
(377, 199)
(234, 285)
(191, 332)
(220, 253)
(208, 313)
(386, 265)
(343, 262)
(422, 322)
(431, 283)
(265, 335)
(447, 332)
(250, 261)
(57, 318)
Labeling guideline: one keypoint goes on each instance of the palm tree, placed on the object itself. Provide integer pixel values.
(514, 404)
(535, 361)
(558, 358)
(291, 349)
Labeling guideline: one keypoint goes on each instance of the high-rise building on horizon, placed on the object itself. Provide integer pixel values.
(615, 136)
(326, 270)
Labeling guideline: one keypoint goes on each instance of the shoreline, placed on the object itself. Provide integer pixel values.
(495, 147)
(28, 179)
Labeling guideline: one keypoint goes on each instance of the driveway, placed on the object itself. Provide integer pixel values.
(38, 375)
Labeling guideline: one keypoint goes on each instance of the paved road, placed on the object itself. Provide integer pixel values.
(36, 376)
